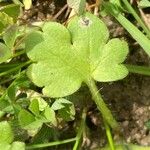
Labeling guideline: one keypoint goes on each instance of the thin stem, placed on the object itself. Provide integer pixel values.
(138, 19)
(80, 131)
(35, 146)
(106, 113)
(14, 69)
(139, 69)
(109, 136)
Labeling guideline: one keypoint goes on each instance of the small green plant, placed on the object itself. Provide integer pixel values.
(63, 58)
(60, 59)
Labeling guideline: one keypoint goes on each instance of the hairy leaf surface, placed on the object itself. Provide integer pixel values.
(65, 57)
(7, 135)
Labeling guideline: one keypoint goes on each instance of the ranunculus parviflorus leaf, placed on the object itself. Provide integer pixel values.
(65, 57)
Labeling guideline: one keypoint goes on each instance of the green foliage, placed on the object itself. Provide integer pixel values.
(34, 107)
(142, 40)
(12, 11)
(65, 109)
(35, 118)
(13, 146)
(28, 120)
(9, 96)
(10, 36)
(61, 66)
(63, 57)
(8, 16)
(77, 5)
(6, 132)
(5, 20)
(5, 53)
(7, 136)
(50, 115)
(18, 146)
(117, 3)
(20, 82)
(144, 3)
(5, 146)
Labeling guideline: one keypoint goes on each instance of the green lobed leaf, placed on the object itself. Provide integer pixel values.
(6, 134)
(55, 79)
(112, 55)
(66, 57)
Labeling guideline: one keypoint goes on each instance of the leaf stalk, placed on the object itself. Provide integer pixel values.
(106, 113)
(50, 144)
(81, 130)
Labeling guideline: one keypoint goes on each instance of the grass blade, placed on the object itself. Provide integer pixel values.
(143, 41)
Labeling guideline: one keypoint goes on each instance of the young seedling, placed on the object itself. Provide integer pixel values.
(65, 57)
